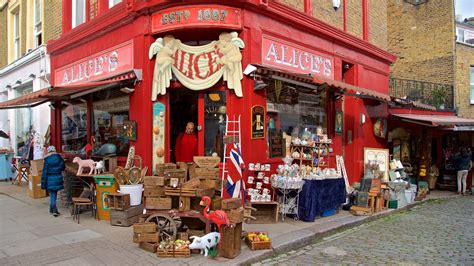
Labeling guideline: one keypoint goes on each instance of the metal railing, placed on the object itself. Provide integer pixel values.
(436, 94)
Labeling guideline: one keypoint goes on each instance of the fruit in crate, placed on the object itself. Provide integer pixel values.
(263, 237)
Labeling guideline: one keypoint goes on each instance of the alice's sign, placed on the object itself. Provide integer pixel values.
(99, 66)
(196, 16)
(197, 67)
(291, 57)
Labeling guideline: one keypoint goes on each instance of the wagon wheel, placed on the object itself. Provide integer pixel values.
(165, 226)
(134, 175)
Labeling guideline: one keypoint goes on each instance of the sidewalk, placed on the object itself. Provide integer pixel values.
(29, 235)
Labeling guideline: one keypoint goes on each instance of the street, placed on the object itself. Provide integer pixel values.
(437, 232)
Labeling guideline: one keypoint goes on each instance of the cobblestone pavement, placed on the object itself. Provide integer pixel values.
(437, 232)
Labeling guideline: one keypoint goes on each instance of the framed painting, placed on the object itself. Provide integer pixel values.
(130, 130)
(338, 123)
(258, 122)
(377, 160)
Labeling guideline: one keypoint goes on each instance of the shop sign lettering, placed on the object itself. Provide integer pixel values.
(291, 57)
(197, 67)
(99, 66)
(195, 16)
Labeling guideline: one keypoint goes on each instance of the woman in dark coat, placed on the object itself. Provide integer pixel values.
(52, 178)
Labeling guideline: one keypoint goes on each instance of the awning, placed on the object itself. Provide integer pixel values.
(435, 120)
(308, 80)
(68, 92)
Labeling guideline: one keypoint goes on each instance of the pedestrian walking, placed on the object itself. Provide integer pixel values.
(464, 164)
(52, 178)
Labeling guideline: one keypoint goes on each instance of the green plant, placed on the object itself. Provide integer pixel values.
(438, 96)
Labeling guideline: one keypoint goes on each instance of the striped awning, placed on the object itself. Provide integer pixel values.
(65, 93)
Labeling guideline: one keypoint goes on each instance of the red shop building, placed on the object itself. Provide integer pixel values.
(138, 71)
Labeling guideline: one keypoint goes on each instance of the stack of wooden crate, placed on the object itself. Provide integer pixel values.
(231, 235)
(146, 236)
(207, 170)
(121, 213)
(154, 192)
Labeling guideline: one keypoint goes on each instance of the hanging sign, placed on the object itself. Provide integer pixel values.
(108, 63)
(291, 57)
(197, 67)
(196, 16)
(258, 122)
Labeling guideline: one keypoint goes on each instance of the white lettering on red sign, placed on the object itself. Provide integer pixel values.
(299, 60)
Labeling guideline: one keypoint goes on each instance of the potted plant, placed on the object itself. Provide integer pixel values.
(438, 96)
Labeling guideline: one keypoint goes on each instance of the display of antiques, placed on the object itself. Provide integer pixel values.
(311, 149)
(258, 183)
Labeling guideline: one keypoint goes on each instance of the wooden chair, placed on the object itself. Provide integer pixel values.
(87, 198)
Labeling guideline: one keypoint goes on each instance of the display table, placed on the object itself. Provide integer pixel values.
(318, 196)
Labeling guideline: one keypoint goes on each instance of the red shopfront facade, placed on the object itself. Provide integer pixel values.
(274, 37)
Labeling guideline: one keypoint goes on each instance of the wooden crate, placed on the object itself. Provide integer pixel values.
(192, 232)
(233, 203)
(175, 173)
(231, 241)
(360, 211)
(184, 204)
(173, 253)
(193, 183)
(144, 228)
(266, 213)
(236, 216)
(206, 161)
(158, 203)
(162, 167)
(258, 245)
(155, 181)
(118, 201)
(130, 212)
(146, 237)
(206, 172)
(154, 191)
(124, 222)
(183, 236)
(211, 183)
(189, 192)
(150, 247)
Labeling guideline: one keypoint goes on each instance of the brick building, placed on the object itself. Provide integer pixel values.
(25, 67)
(464, 80)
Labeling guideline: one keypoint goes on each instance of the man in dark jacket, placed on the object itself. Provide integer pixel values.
(52, 178)
(463, 162)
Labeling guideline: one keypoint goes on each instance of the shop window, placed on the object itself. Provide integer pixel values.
(297, 109)
(471, 69)
(74, 128)
(78, 12)
(111, 109)
(460, 35)
(113, 2)
(23, 126)
(214, 122)
(38, 23)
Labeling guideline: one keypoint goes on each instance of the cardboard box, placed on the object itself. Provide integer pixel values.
(36, 167)
(154, 191)
(34, 187)
(158, 203)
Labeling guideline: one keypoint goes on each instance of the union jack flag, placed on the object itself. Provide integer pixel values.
(235, 186)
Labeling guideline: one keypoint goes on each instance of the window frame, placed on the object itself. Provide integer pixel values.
(38, 23)
(112, 3)
(458, 35)
(16, 34)
(471, 84)
(75, 22)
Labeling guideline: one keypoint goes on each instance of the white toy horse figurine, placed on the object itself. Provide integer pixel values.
(99, 167)
(84, 163)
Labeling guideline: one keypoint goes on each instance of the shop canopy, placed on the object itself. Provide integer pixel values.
(68, 92)
(308, 80)
(435, 120)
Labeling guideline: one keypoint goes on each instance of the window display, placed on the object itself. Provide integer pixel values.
(23, 126)
(74, 128)
(214, 122)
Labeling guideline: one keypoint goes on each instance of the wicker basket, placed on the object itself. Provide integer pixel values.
(235, 215)
(258, 245)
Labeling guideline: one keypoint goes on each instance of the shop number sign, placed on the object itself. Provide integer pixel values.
(96, 67)
(196, 16)
(291, 57)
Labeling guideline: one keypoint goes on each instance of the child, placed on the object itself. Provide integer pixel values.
(52, 178)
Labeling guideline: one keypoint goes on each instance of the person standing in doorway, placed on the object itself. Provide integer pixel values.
(463, 162)
(186, 145)
(52, 178)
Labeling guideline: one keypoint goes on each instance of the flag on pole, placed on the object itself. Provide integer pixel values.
(235, 186)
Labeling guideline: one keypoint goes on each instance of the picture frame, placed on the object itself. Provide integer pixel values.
(130, 130)
(380, 157)
(338, 122)
(258, 122)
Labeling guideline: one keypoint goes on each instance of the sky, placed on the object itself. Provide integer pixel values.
(465, 8)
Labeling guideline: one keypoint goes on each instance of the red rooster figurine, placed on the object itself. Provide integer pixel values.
(218, 217)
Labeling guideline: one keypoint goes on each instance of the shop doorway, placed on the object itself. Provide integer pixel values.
(183, 109)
